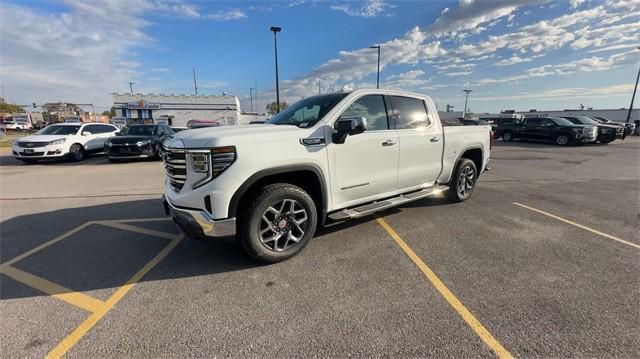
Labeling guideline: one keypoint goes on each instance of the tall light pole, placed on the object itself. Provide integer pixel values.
(633, 97)
(131, 87)
(378, 77)
(275, 46)
(251, 97)
(195, 83)
(466, 98)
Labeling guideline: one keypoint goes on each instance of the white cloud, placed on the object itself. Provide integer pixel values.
(226, 15)
(575, 3)
(470, 14)
(458, 73)
(513, 60)
(370, 8)
(413, 74)
(163, 70)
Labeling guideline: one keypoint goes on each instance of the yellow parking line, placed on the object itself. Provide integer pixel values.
(457, 305)
(78, 299)
(608, 236)
(130, 228)
(45, 245)
(67, 343)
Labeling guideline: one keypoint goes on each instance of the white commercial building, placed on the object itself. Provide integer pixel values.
(177, 110)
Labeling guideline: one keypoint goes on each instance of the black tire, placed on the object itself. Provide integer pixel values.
(456, 193)
(76, 153)
(253, 228)
(157, 153)
(562, 140)
(507, 137)
(29, 161)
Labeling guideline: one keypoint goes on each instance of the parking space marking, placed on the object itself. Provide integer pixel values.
(605, 235)
(78, 299)
(457, 305)
(130, 228)
(67, 343)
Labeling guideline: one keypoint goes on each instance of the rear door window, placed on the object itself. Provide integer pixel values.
(409, 112)
(533, 122)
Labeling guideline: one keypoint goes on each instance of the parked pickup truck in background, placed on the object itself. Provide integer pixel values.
(606, 133)
(551, 129)
(325, 158)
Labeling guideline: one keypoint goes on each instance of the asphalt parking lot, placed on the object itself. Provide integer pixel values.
(542, 261)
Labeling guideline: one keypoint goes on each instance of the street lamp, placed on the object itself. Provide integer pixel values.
(464, 111)
(633, 97)
(378, 77)
(275, 45)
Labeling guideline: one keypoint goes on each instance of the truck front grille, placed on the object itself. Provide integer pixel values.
(175, 165)
(32, 144)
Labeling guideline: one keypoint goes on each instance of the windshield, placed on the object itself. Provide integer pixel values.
(58, 130)
(138, 131)
(585, 120)
(307, 112)
(562, 121)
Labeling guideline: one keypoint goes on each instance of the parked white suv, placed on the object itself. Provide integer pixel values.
(72, 140)
(329, 157)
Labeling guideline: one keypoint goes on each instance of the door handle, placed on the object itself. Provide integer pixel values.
(389, 143)
(435, 139)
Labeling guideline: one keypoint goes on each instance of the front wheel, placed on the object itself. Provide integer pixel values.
(507, 137)
(76, 153)
(562, 140)
(463, 181)
(278, 223)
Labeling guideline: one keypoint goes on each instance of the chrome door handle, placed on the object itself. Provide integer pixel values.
(389, 143)
(435, 139)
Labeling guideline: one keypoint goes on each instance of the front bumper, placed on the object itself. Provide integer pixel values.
(197, 223)
(49, 151)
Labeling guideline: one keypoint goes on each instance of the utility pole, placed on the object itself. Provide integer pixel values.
(275, 45)
(131, 87)
(378, 77)
(633, 97)
(195, 83)
(93, 109)
(318, 87)
(464, 111)
(251, 97)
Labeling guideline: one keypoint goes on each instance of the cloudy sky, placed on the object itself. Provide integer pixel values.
(513, 54)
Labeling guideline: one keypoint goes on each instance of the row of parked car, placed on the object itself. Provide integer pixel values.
(74, 141)
(566, 130)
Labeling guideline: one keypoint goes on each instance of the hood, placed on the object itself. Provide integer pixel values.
(128, 139)
(231, 135)
(41, 138)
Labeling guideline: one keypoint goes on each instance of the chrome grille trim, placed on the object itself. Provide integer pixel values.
(176, 167)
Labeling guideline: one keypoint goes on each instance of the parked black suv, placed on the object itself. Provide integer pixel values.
(552, 129)
(137, 141)
(627, 128)
(606, 133)
(498, 124)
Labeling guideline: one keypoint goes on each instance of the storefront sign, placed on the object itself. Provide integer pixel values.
(143, 105)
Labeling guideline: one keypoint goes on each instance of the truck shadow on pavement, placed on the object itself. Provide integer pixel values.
(100, 257)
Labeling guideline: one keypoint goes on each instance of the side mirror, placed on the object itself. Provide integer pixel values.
(348, 126)
(86, 133)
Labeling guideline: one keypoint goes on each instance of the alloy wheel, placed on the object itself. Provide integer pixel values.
(283, 225)
(466, 181)
(562, 140)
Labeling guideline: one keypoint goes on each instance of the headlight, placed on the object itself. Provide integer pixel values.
(143, 142)
(57, 142)
(207, 165)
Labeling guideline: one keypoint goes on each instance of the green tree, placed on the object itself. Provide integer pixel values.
(272, 109)
(9, 107)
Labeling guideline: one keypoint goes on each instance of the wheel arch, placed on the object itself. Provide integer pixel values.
(306, 176)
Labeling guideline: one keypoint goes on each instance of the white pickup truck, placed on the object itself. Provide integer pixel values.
(325, 158)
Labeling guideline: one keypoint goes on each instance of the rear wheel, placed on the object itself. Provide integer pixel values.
(463, 181)
(507, 137)
(278, 223)
(562, 140)
(76, 153)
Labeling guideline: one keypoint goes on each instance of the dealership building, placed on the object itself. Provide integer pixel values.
(176, 110)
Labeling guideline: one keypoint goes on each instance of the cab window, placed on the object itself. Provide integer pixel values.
(373, 109)
(410, 113)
